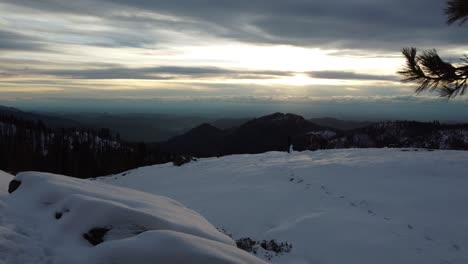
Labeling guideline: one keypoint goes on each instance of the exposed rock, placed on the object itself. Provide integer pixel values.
(95, 236)
(14, 184)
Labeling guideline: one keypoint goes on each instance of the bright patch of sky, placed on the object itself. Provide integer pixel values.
(117, 49)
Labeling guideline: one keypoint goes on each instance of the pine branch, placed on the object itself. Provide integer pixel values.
(457, 10)
(431, 73)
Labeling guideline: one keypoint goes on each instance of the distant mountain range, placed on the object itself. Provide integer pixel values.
(277, 131)
(144, 127)
(31, 141)
(49, 120)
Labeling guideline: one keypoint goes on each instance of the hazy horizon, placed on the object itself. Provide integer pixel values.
(333, 58)
(358, 109)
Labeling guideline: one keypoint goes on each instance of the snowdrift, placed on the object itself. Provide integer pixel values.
(56, 219)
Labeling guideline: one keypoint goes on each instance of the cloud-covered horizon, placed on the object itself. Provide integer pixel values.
(215, 48)
(364, 108)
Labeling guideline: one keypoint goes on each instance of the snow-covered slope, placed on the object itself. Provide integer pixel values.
(5, 179)
(56, 219)
(361, 206)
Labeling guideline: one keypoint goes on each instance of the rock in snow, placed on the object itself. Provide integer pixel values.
(56, 219)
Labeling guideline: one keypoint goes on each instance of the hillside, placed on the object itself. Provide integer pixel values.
(49, 120)
(354, 206)
(28, 145)
(79, 152)
(339, 124)
(410, 134)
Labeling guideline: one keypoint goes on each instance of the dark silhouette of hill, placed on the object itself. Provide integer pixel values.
(276, 131)
(268, 133)
(227, 123)
(48, 120)
(137, 127)
(340, 124)
(403, 134)
(27, 145)
(203, 140)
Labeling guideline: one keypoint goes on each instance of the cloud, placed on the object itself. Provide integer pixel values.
(343, 75)
(161, 73)
(19, 42)
(334, 24)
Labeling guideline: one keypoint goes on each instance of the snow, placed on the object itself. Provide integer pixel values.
(5, 179)
(45, 219)
(362, 206)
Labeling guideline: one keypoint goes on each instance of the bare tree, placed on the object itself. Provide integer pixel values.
(429, 71)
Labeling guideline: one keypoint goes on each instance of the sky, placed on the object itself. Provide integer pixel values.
(219, 56)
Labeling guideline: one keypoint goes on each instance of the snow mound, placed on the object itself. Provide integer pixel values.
(56, 219)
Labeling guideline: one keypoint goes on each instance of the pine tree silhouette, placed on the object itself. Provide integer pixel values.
(429, 71)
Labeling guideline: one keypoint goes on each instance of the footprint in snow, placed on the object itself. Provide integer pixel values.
(410, 227)
(428, 238)
(325, 190)
(364, 203)
(47, 252)
(396, 233)
(456, 247)
(418, 250)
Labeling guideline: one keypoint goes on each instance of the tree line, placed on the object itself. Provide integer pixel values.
(31, 145)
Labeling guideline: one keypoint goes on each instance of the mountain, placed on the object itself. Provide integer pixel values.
(140, 127)
(199, 141)
(227, 123)
(270, 133)
(361, 206)
(340, 124)
(134, 127)
(276, 131)
(267, 133)
(49, 120)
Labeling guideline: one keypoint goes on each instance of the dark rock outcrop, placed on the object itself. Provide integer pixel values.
(14, 184)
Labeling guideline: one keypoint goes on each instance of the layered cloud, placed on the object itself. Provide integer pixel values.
(156, 48)
(352, 24)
